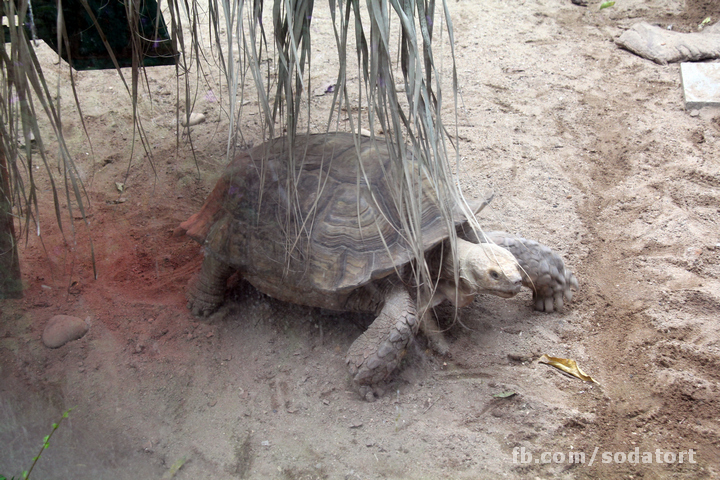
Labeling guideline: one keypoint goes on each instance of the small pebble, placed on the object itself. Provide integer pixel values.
(195, 119)
(519, 357)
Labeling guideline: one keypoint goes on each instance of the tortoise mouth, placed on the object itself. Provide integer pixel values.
(506, 293)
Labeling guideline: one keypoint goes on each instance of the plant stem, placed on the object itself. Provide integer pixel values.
(46, 443)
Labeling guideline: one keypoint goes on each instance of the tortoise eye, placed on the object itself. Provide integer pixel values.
(494, 274)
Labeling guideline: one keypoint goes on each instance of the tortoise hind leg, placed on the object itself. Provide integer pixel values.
(377, 353)
(206, 292)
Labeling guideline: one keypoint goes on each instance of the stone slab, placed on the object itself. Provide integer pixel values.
(701, 84)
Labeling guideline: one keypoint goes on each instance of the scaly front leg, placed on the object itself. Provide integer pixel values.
(543, 271)
(377, 353)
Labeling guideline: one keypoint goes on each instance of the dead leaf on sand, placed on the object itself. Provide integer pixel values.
(567, 365)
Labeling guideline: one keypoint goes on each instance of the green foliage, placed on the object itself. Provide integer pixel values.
(174, 468)
(46, 443)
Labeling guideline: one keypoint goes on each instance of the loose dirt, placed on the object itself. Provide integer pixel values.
(587, 148)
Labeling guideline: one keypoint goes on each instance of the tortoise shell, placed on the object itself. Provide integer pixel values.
(318, 237)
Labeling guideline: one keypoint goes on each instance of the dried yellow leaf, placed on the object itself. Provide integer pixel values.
(567, 365)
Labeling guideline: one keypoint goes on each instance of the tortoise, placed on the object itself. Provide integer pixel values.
(340, 246)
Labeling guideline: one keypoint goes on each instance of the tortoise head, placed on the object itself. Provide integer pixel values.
(487, 268)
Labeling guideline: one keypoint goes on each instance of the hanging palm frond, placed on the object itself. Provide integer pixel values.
(412, 126)
(23, 89)
(277, 72)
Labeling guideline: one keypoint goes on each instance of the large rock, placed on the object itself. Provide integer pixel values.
(664, 46)
(62, 329)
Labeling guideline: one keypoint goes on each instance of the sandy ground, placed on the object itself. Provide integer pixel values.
(587, 148)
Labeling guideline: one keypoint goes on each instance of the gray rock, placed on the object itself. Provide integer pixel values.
(62, 329)
(195, 119)
(664, 46)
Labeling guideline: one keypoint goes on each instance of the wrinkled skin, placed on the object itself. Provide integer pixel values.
(482, 268)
